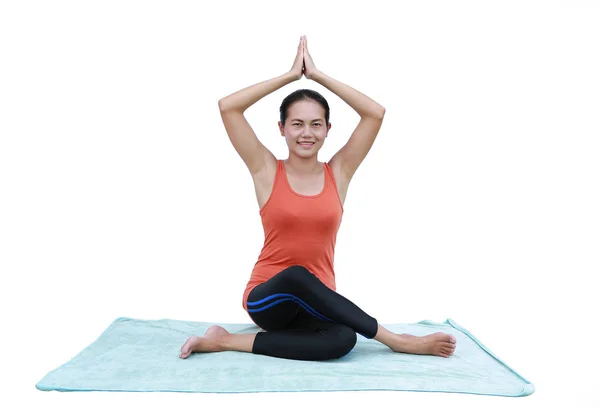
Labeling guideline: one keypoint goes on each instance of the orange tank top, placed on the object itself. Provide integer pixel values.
(299, 230)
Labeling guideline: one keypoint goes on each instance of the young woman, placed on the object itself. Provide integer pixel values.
(291, 292)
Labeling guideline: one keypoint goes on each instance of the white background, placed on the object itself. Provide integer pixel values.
(121, 194)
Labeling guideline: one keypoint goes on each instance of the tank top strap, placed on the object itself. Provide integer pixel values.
(329, 173)
(333, 185)
(279, 173)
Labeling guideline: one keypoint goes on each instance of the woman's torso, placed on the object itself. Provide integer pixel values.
(315, 205)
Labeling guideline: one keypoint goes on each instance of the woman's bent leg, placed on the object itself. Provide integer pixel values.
(306, 338)
(300, 290)
(297, 288)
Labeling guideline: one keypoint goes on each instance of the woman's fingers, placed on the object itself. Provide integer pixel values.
(309, 66)
(299, 61)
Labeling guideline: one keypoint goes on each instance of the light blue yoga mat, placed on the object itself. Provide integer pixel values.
(143, 355)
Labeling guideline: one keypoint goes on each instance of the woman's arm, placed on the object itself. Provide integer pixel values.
(361, 103)
(351, 155)
(243, 99)
(254, 154)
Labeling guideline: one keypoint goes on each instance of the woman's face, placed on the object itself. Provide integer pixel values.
(305, 122)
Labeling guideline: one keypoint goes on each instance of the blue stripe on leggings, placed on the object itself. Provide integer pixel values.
(286, 296)
(268, 306)
(268, 298)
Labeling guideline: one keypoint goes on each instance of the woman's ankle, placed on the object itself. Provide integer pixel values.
(386, 337)
(237, 342)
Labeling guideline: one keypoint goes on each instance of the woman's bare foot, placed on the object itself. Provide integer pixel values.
(436, 344)
(204, 344)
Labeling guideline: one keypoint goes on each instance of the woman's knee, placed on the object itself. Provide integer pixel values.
(344, 342)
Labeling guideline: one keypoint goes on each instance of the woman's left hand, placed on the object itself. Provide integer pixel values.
(309, 67)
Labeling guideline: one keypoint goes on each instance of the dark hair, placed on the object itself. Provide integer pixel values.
(299, 95)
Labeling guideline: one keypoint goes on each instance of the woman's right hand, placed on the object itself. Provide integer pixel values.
(299, 62)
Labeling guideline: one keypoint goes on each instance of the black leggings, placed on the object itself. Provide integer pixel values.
(304, 319)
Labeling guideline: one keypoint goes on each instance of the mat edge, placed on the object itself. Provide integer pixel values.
(69, 361)
(528, 387)
(61, 389)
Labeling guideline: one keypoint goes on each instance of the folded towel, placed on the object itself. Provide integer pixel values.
(143, 355)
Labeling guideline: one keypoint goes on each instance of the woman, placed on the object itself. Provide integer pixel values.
(291, 291)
